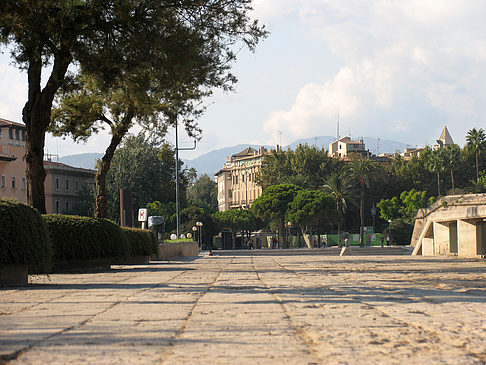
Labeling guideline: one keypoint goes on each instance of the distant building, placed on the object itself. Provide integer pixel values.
(63, 184)
(237, 187)
(444, 140)
(412, 152)
(13, 183)
(345, 146)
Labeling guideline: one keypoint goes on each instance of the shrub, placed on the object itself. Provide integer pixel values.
(77, 238)
(400, 232)
(24, 238)
(142, 242)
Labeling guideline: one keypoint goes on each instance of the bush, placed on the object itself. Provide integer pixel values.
(81, 238)
(141, 241)
(400, 232)
(24, 238)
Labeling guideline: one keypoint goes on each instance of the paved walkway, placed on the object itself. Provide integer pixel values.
(253, 310)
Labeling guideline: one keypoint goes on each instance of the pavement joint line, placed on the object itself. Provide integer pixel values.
(299, 330)
(175, 339)
(56, 298)
(6, 358)
(480, 356)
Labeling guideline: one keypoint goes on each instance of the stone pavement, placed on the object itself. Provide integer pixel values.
(274, 309)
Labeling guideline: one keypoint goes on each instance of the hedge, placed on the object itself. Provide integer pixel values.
(141, 241)
(77, 238)
(24, 238)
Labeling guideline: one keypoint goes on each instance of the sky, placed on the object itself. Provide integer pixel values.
(389, 69)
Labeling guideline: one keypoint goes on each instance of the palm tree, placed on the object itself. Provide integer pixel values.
(476, 142)
(452, 156)
(341, 187)
(362, 169)
(435, 163)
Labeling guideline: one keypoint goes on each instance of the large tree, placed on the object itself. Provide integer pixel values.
(271, 207)
(476, 143)
(111, 40)
(362, 170)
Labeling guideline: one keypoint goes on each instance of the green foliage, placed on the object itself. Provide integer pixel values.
(479, 185)
(271, 207)
(204, 194)
(237, 220)
(193, 214)
(400, 232)
(406, 208)
(24, 238)
(81, 238)
(166, 210)
(309, 207)
(86, 205)
(142, 242)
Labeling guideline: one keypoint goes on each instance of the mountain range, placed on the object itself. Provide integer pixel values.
(210, 162)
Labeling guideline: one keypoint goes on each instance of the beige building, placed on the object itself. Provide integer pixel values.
(13, 183)
(444, 140)
(237, 186)
(454, 225)
(63, 184)
(344, 146)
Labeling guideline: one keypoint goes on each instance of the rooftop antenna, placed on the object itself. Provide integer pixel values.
(279, 137)
(315, 140)
(378, 146)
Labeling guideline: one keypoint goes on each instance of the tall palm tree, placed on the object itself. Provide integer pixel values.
(452, 158)
(362, 169)
(476, 142)
(435, 163)
(341, 187)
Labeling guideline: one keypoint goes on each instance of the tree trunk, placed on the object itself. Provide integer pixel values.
(233, 239)
(339, 234)
(361, 216)
(452, 180)
(36, 116)
(477, 167)
(438, 183)
(101, 209)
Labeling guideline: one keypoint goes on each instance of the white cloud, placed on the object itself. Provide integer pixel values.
(402, 62)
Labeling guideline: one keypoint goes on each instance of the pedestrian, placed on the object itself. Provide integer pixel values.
(382, 240)
(388, 240)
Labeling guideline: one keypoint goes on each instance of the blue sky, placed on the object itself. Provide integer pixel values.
(395, 69)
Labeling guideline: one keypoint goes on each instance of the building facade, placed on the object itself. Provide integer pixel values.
(345, 146)
(63, 185)
(13, 184)
(237, 186)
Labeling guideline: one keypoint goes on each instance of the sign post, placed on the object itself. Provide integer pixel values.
(142, 217)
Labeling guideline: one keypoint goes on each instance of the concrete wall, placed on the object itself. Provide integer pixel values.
(168, 251)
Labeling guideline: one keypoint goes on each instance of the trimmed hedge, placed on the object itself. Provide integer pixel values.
(24, 238)
(142, 242)
(77, 238)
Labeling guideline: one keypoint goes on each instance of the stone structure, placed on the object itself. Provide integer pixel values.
(63, 184)
(444, 140)
(237, 186)
(344, 146)
(453, 226)
(13, 183)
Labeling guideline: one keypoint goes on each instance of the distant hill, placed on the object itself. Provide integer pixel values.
(213, 161)
(83, 160)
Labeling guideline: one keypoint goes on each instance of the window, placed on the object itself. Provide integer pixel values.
(17, 134)
(24, 184)
(4, 181)
(67, 206)
(0, 133)
(76, 185)
(23, 135)
(10, 133)
(13, 182)
(67, 184)
(57, 183)
(57, 206)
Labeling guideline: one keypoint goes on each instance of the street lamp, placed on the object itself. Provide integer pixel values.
(389, 233)
(199, 227)
(373, 213)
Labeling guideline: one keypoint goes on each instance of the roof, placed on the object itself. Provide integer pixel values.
(8, 123)
(63, 166)
(246, 152)
(445, 137)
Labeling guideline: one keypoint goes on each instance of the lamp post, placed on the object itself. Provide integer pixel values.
(199, 227)
(388, 239)
(194, 229)
(373, 214)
